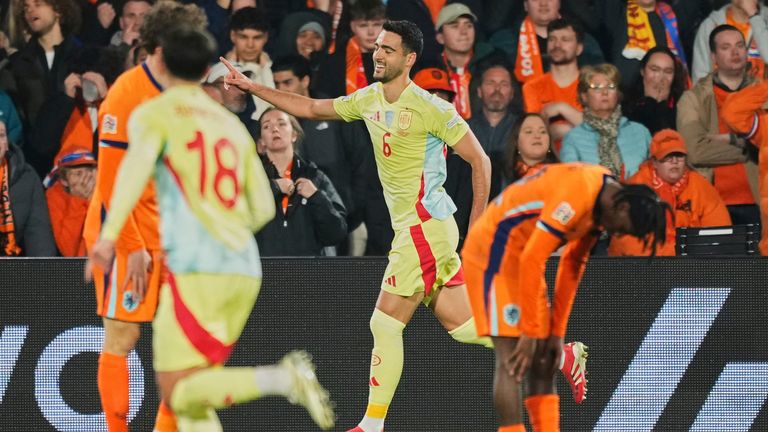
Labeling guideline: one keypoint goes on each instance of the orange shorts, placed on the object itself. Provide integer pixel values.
(494, 297)
(113, 302)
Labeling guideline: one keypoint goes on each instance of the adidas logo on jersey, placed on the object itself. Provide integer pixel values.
(391, 281)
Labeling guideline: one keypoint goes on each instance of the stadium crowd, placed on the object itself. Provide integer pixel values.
(639, 86)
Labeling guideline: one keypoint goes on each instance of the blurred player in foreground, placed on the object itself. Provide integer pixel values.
(127, 290)
(213, 193)
(505, 255)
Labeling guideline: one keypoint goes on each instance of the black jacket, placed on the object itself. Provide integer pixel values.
(308, 225)
(31, 222)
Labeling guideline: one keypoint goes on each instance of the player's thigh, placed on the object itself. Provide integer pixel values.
(423, 257)
(199, 318)
(399, 307)
(116, 302)
(451, 306)
(120, 337)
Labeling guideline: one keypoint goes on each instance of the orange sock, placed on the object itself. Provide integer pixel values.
(165, 421)
(512, 428)
(544, 412)
(113, 389)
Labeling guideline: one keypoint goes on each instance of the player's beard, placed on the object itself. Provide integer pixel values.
(388, 75)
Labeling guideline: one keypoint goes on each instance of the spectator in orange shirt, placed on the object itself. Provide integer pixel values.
(529, 149)
(695, 201)
(555, 94)
(68, 200)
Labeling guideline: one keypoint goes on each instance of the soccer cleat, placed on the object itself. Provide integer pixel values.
(575, 369)
(307, 390)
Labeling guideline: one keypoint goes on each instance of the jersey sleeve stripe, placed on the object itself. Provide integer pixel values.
(114, 144)
(550, 229)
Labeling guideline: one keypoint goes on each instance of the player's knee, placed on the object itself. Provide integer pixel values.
(467, 333)
(120, 337)
(382, 324)
(184, 400)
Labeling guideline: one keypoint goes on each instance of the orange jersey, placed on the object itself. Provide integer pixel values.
(516, 235)
(744, 113)
(544, 90)
(142, 228)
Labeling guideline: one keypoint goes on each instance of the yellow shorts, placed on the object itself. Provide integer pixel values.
(199, 319)
(424, 258)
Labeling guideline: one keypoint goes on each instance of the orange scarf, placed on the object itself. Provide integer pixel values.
(355, 70)
(640, 37)
(528, 64)
(286, 175)
(757, 68)
(460, 85)
(8, 246)
(668, 192)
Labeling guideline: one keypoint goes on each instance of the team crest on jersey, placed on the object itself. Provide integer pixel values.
(511, 314)
(129, 304)
(109, 124)
(404, 119)
(563, 213)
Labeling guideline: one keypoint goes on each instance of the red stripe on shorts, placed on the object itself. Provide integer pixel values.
(213, 349)
(457, 279)
(426, 258)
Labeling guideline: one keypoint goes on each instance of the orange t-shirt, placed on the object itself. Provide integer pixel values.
(529, 221)
(730, 180)
(544, 89)
(142, 228)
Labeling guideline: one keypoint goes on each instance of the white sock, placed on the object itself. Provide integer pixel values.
(370, 424)
(273, 380)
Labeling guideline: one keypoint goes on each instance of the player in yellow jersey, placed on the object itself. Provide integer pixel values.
(213, 193)
(409, 130)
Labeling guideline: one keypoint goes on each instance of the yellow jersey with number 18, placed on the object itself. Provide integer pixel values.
(409, 140)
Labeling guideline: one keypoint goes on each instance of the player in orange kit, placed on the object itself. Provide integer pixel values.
(504, 258)
(127, 294)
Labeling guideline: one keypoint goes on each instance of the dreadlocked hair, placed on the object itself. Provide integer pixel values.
(647, 212)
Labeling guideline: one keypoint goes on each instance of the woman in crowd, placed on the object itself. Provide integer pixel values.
(652, 101)
(605, 137)
(529, 147)
(310, 215)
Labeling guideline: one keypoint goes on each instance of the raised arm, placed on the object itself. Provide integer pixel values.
(468, 147)
(294, 104)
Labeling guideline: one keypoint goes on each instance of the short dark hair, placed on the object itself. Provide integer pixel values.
(716, 31)
(562, 23)
(367, 10)
(164, 15)
(294, 63)
(122, 8)
(187, 52)
(249, 18)
(413, 39)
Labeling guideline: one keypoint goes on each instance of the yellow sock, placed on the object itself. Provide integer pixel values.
(386, 359)
(216, 388)
(467, 333)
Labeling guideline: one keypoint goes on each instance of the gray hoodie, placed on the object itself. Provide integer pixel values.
(702, 61)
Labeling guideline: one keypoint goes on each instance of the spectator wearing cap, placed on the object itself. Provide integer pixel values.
(231, 97)
(350, 67)
(526, 42)
(68, 200)
(304, 33)
(342, 151)
(25, 228)
(435, 81)
(249, 32)
(695, 202)
(555, 94)
(462, 53)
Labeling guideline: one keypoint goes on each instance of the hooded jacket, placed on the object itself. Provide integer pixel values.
(308, 225)
(32, 225)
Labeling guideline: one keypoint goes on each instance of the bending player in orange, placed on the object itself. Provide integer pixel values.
(504, 258)
(127, 294)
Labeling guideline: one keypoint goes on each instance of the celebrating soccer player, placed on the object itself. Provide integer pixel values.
(409, 129)
(213, 193)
